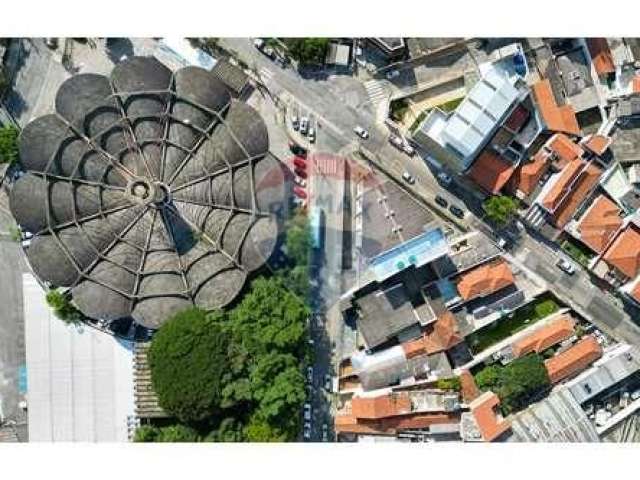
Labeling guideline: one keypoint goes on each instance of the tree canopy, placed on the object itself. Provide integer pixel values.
(62, 307)
(9, 144)
(516, 382)
(307, 50)
(189, 359)
(170, 434)
(500, 208)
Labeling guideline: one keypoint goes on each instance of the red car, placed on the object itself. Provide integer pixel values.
(301, 173)
(300, 162)
(299, 192)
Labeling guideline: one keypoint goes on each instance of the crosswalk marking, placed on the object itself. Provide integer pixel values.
(376, 90)
(265, 74)
(535, 216)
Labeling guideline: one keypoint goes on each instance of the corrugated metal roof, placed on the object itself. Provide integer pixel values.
(80, 380)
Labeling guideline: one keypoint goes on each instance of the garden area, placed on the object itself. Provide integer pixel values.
(577, 252)
(517, 384)
(514, 322)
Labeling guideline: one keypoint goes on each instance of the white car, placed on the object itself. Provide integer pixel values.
(295, 122)
(306, 433)
(566, 266)
(304, 125)
(300, 182)
(325, 432)
(635, 395)
(392, 74)
(312, 135)
(361, 132)
(444, 178)
(307, 411)
(407, 177)
(310, 374)
(258, 43)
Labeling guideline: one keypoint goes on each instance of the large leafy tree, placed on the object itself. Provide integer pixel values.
(500, 209)
(170, 434)
(189, 361)
(307, 50)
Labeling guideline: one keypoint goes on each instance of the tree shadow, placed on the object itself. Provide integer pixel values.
(118, 48)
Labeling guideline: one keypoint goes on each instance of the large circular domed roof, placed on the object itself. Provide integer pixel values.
(148, 192)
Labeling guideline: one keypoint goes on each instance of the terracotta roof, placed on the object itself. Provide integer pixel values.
(573, 360)
(485, 279)
(517, 119)
(489, 420)
(587, 180)
(468, 387)
(560, 119)
(599, 224)
(439, 337)
(636, 83)
(388, 405)
(635, 293)
(528, 174)
(624, 252)
(545, 337)
(598, 144)
(558, 189)
(346, 423)
(491, 171)
(601, 55)
(565, 149)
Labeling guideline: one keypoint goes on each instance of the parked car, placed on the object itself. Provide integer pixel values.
(328, 383)
(299, 162)
(298, 150)
(456, 211)
(312, 135)
(441, 201)
(300, 172)
(392, 74)
(361, 132)
(310, 374)
(269, 52)
(325, 432)
(635, 395)
(307, 411)
(444, 178)
(300, 182)
(396, 141)
(407, 177)
(258, 43)
(51, 42)
(306, 433)
(566, 266)
(304, 125)
(408, 149)
(299, 192)
(295, 122)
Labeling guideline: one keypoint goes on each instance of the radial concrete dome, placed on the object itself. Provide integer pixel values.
(148, 192)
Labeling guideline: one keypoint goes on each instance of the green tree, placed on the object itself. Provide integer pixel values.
(260, 431)
(146, 433)
(500, 208)
(177, 433)
(9, 144)
(189, 361)
(62, 307)
(307, 50)
(229, 430)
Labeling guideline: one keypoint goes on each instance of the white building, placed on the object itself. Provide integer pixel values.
(80, 380)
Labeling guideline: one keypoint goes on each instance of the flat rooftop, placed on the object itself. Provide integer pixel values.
(626, 141)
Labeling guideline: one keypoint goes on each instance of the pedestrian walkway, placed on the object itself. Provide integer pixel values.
(535, 216)
(265, 74)
(378, 92)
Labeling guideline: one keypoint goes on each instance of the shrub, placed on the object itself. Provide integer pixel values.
(9, 144)
(62, 307)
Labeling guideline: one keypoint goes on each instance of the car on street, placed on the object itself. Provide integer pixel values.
(300, 182)
(304, 125)
(407, 177)
(259, 43)
(401, 144)
(299, 192)
(392, 74)
(444, 178)
(295, 123)
(456, 211)
(298, 150)
(440, 200)
(307, 411)
(310, 374)
(312, 135)
(300, 162)
(51, 42)
(361, 132)
(328, 382)
(306, 433)
(300, 172)
(566, 266)
(635, 395)
(325, 432)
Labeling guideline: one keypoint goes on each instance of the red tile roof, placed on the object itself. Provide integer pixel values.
(528, 174)
(574, 359)
(585, 183)
(564, 149)
(559, 189)
(491, 171)
(601, 55)
(388, 405)
(557, 118)
(487, 416)
(439, 337)
(600, 223)
(635, 293)
(598, 144)
(624, 252)
(346, 423)
(636, 83)
(485, 279)
(468, 387)
(558, 330)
